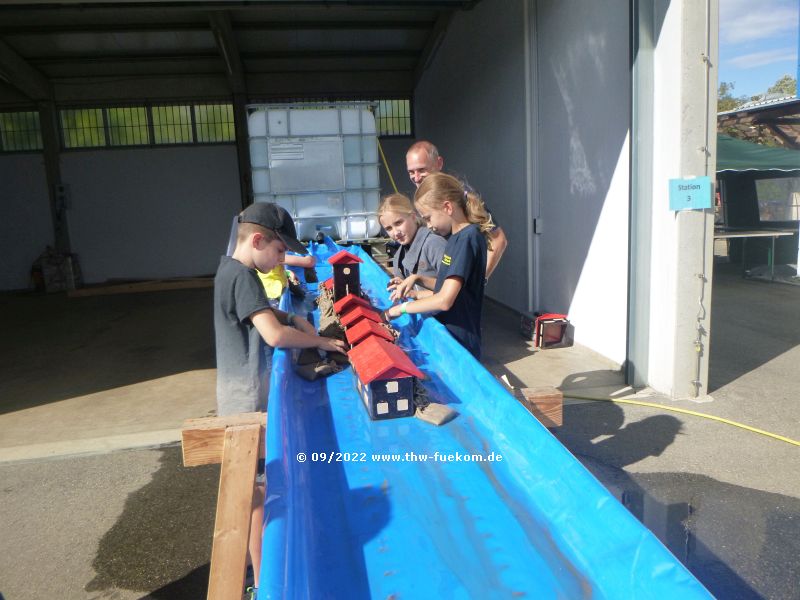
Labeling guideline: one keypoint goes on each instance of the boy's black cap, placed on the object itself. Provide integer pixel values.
(276, 218)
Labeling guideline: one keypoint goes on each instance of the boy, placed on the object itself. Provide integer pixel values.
(247, 329)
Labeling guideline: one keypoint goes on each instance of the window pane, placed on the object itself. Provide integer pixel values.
(172, 124)
(128, 126)
(20, 131)
(83, 128)
(214, 122)
(778, 199)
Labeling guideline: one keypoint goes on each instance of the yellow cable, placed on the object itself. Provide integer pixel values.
(385, 164)
(687, 412)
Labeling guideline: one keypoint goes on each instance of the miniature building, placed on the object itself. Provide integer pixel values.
(357, 313)
(365, 328)
(346, 279)
(348, 302)
(384, 378)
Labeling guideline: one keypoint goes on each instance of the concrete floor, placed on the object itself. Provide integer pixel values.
(96, 505)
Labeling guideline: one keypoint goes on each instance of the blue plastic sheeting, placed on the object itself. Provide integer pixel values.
(366, 517)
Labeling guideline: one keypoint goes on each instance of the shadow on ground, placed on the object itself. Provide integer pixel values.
(739, 542)
(161, 544)
(91, 344)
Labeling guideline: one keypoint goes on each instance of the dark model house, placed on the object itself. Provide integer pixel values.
(384, 378)
(346, 278)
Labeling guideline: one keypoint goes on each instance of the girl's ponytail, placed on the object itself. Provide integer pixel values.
(476, 212)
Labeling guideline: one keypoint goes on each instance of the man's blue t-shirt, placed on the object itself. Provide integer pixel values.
(465, 257)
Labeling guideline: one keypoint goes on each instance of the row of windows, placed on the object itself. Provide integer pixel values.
(157, 125)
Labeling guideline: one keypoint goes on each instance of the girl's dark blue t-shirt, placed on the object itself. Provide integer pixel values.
(465, 257)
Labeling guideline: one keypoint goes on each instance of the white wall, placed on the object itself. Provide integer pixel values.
(152, 212)
(471, 104)
(583, 83)
(25, 223)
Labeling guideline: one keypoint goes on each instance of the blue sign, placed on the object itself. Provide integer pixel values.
(688, 194)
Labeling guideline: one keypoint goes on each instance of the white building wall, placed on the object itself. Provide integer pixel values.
(151, 213)
(25, 223)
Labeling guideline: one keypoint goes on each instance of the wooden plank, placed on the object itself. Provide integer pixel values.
(234, 506)
(203, 440)
(545, 403)
(144, 286)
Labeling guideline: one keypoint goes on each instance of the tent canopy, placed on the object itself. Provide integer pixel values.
(738, 155)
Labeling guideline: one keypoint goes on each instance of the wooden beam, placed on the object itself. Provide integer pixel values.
(15, 70)
(203, 440)
(545, 403)
(144, 286)
(234, 507)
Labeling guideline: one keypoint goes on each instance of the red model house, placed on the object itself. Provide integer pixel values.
(384, 378)
(349, 302)
(365, 328)
(346, 279)
(357, 313)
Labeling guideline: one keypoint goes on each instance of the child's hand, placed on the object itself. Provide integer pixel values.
(393, 283)
(392, 312)
(404, 289)
(331, 345)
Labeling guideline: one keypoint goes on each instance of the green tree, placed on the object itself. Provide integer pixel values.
(786, 85)
(725, 98)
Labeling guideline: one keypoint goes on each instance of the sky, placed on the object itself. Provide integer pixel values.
(757, 43)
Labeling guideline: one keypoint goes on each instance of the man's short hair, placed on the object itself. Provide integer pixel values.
(431, 150)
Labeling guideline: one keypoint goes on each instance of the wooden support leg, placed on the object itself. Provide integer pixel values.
(232, 525)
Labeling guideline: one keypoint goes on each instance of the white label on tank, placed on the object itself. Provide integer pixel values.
(279, 151)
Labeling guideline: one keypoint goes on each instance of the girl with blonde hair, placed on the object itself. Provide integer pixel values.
(417, 260)
(457, 297)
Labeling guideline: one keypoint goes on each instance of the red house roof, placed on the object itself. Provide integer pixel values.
(364, 328)
(342, 305)
(328, 283)
(357, 313)
(376, 359)
(343, 257)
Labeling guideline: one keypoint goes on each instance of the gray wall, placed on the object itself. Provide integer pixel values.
(395, 151)
(471, 104)
(152, 212)
(25, 224)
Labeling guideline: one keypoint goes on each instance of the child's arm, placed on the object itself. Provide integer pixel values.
(405, 287)
(302, 335)
(294, 260)
(440, 301)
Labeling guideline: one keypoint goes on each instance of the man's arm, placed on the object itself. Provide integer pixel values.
(499, 245)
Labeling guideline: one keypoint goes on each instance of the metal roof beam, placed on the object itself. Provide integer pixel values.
(15, 70)
(229, 49)
(203, 26)
(435, 40)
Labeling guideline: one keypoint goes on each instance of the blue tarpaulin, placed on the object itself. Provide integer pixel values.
(403, 509)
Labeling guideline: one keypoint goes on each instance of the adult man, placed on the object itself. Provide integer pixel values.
(422, 159)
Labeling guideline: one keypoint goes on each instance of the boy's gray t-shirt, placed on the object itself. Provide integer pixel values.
(243, 358)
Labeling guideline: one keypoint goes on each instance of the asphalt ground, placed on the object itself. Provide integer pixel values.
(95, 503)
